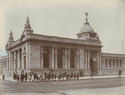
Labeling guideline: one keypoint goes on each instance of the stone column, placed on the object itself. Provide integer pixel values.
(85, 62)
(88, 59)
(12, 61)
(98, 61)
(103, 61)
(63, 58)
(52, 58)
(27, 55)
(22, 58)
(75, 59)
(115, 62)
(68, 57)
(41, 57)
(16, 63)
(55, 56)
(107, 63)
(119, 62)
(82, 58)
(18, 59)
(77, 64)
(30, 55)
(65, 62)
(8, 61)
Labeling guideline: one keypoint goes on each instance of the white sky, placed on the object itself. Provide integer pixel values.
(64, 18)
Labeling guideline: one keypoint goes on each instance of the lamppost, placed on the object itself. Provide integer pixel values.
(95, 65)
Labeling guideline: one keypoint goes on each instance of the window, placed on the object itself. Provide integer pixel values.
(20, 58)
(24, 62)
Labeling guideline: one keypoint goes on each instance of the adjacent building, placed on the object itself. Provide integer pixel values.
(3, 64)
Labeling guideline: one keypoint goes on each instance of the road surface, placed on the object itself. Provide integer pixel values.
(56, 86)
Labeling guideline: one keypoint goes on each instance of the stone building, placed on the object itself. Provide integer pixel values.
(112, 63)
(40, 53)
(3, 64)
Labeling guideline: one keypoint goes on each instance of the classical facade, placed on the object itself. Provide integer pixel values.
(41, 53)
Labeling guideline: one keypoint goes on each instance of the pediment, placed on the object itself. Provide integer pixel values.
(22, 37)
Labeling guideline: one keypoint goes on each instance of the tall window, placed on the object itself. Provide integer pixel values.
(72, 59)
(113, 62)
(106, 62)
(46, 56)
(24, 62)
(59, 57)
(20, 58)
(24, 54)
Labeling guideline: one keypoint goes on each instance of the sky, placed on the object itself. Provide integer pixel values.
(64, 18)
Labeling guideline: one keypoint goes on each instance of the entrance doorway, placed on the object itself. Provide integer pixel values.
(93, 63)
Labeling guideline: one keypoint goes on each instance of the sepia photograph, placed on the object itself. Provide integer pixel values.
(62, 47)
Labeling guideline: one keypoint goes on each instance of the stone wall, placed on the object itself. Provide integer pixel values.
(34, 56)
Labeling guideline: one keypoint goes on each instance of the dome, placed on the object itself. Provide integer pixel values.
(86, 28)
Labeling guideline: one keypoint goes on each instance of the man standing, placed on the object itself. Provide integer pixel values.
(25, 76)
(3, 76)
(119, 73)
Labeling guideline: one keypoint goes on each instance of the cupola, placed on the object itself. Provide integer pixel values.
(86, 31)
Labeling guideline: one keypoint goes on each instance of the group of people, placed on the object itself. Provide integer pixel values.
(34, 76)
(20, 77)
(61, 76)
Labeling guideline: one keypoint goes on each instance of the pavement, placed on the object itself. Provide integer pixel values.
(8, 78)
